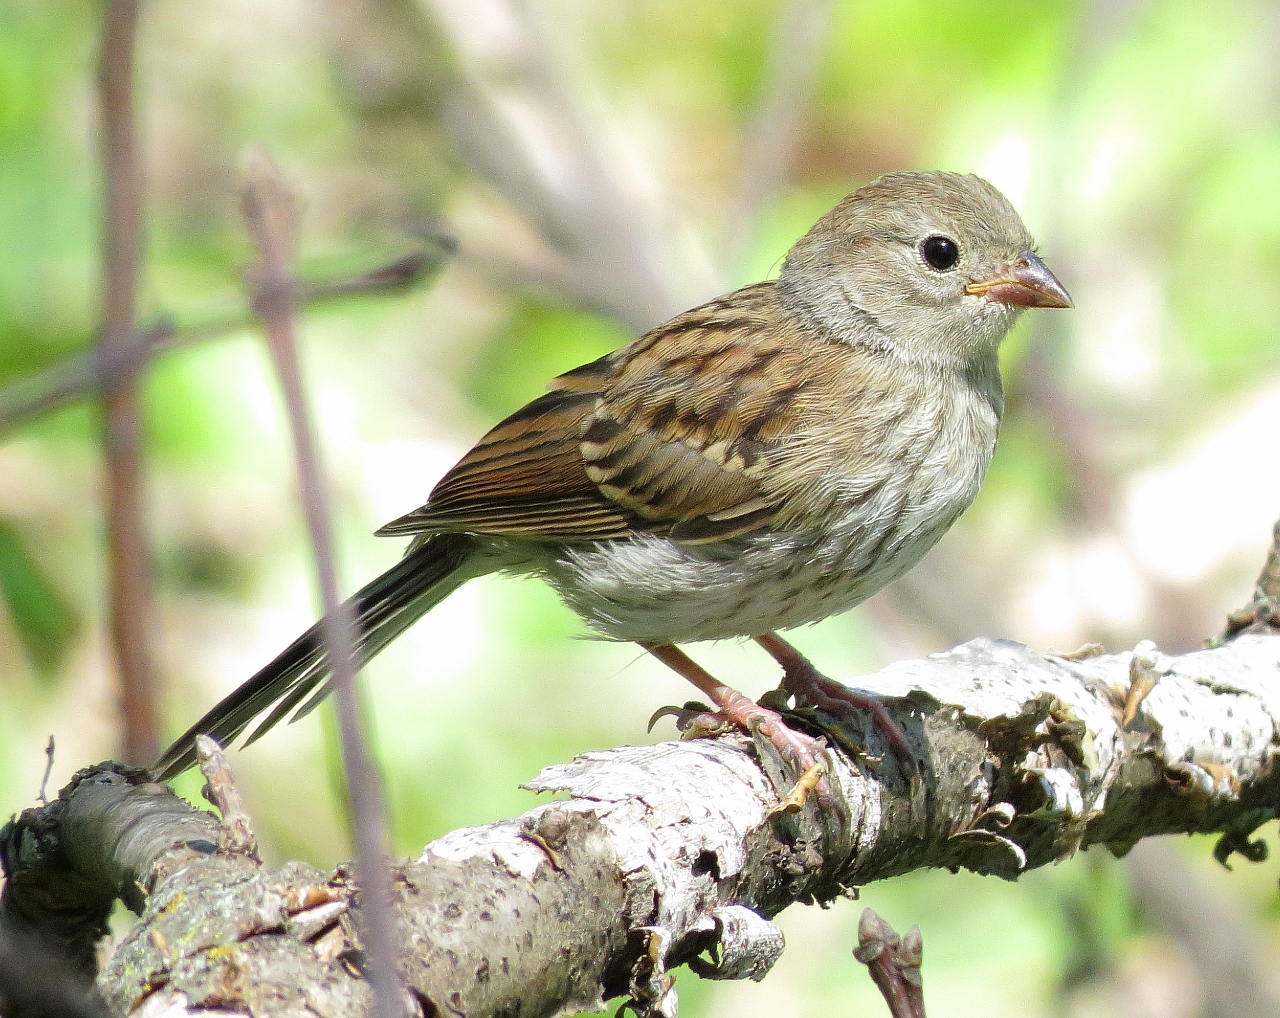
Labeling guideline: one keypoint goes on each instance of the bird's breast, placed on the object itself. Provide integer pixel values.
(861, 529)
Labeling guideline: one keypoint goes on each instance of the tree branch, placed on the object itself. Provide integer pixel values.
(664, 853)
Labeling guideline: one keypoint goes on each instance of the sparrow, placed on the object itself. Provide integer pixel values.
(763, 461)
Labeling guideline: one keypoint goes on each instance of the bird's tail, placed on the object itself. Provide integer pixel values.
(382, 611)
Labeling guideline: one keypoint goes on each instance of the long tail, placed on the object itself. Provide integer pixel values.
(383, 610)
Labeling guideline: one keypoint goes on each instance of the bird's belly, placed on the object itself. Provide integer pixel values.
(653, 590)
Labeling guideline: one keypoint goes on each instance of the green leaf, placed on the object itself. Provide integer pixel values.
(44, 619)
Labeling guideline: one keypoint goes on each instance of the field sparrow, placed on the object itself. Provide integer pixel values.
(763, 461)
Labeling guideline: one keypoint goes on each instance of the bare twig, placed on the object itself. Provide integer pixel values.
(129, 595)
(48, 769)
(894, 964)
(220, 789)
(100, 368)
(774, 134)
(270, 219)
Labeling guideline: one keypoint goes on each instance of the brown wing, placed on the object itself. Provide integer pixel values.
(673, 434)
(524, 478)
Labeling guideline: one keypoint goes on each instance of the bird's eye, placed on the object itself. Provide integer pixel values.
(940, 252)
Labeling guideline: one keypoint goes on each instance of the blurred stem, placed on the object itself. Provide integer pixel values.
(271, 222)
(101, 369)
(1225, 951)
(129, 584)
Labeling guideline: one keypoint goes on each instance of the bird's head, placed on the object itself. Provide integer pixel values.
(935, 266)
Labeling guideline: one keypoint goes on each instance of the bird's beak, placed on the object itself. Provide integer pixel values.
(1024, 282)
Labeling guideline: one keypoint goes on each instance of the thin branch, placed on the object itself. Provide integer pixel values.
(129, 598)
(99, 368)
(772, 138)
(48, 769)
(220, 789)
(270, 219)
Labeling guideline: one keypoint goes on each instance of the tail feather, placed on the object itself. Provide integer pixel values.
(383, 610)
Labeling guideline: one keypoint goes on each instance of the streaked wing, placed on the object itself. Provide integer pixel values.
(673, 434)
(525, 478)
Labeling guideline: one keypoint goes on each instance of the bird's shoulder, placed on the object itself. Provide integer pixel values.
(743, 367)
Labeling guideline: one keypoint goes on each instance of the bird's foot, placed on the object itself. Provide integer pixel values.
(809, 687)
(804, 755)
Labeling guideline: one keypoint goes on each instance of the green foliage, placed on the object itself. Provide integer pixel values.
(41, 614)
(539, 343)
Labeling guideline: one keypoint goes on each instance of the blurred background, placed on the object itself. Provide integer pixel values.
(602, 166)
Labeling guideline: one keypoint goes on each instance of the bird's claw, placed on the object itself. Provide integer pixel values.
(695, 720)
(803, 753)
(810, 688)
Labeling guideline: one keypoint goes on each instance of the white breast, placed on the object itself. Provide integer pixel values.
(651, 589)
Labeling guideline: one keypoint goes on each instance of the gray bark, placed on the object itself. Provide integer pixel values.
(677, 853)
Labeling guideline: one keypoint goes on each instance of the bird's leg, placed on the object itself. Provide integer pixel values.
(803, 681)
(801, 751)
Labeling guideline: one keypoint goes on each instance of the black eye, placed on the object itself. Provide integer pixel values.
(939, 251)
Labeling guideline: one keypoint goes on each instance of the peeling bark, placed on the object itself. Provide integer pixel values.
(679, 853)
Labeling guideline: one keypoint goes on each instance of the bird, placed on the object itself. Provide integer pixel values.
(763, 461)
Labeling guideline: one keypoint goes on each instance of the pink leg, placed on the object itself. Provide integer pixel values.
(803, 681)
(801, 750)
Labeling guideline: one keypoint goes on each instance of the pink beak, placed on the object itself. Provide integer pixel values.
(1025, 282)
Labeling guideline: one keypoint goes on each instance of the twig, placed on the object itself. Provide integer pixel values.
(99, 368)
(773, 135)
(48, 769)
(894, 964)
(220, 789)
(271, 222)
(129, 597)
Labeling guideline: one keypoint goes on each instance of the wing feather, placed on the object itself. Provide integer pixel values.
(680, 433)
